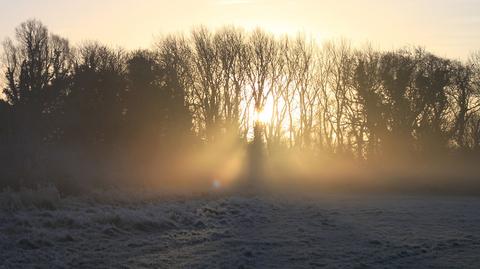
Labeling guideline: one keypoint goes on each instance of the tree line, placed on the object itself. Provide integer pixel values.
(190, 92)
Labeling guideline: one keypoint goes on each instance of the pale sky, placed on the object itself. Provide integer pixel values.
(448, 28)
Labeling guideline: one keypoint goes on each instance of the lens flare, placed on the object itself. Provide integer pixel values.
(216, 184)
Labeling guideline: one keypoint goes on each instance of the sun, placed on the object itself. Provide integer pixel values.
(263, 116)
(270, 115)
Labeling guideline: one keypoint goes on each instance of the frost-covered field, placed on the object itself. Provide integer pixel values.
(234, 231)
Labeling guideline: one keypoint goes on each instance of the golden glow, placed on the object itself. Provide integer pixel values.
(263, 116)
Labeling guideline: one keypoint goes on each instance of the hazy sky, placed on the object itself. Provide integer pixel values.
(447, 27)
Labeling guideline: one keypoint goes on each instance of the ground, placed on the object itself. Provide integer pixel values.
(245, 231)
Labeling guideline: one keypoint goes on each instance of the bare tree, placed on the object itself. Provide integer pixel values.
(260, 57)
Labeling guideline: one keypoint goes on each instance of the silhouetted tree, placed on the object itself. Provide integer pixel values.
(94, 105)
(115, 106)
(37, 66)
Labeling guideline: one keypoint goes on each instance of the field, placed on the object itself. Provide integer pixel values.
(114, 230)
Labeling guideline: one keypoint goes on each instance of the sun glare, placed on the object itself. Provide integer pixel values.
(263, 116)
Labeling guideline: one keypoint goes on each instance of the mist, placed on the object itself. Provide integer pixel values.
(252, 147)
